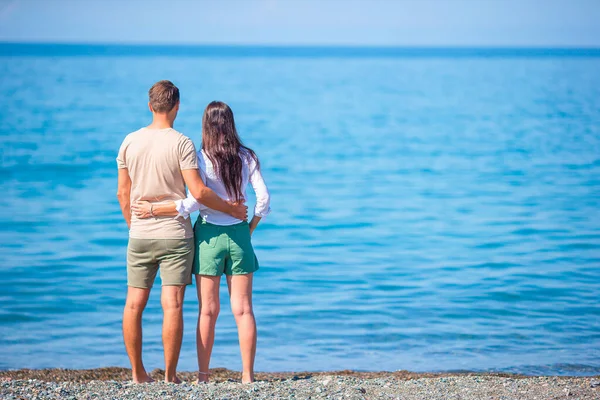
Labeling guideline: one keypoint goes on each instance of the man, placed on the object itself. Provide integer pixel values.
(155, 163)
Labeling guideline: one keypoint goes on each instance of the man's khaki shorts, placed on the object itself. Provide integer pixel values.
(174, 256)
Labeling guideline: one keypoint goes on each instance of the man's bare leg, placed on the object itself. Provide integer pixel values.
(172, 303)
(132, 331)
(240, 294)
(208, 298)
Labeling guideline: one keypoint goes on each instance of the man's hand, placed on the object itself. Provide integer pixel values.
(239, 211)
(124, 193)
(142, 209)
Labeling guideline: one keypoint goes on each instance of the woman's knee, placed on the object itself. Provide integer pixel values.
(210, 309)
(242, 308)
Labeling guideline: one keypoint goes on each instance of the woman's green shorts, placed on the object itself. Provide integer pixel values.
(223, 249)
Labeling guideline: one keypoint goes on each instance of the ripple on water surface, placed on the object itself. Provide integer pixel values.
(428, 214)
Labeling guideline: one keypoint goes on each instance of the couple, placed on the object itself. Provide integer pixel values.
(155, 165)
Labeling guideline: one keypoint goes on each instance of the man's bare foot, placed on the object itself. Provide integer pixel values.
(142, 378)
(174, 379)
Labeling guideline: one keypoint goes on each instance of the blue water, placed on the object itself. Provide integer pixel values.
(432, 210)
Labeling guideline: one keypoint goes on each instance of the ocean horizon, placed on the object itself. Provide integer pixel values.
(434, 209)
(295, 51)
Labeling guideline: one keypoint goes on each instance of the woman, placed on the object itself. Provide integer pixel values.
(222, 242)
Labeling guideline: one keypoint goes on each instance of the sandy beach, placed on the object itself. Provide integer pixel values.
(113, 383)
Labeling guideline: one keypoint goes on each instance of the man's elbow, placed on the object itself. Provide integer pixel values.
(201, 194)
(122, 195)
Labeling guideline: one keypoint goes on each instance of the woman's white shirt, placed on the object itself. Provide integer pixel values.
(249, 174)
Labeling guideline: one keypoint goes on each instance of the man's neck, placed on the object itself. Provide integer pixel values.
(160, 122)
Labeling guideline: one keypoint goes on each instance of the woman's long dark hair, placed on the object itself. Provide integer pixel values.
(224, 148)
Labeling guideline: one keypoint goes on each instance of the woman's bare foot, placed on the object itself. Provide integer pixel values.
(174, 379)
(247, 378)
(142, 378)
(202, 377)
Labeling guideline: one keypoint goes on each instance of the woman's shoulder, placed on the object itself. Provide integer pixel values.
(248, 156)
(202, 159)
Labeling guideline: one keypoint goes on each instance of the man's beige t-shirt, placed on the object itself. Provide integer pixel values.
(154, 159)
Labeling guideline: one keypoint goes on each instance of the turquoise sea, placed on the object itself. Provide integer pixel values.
(433, 209)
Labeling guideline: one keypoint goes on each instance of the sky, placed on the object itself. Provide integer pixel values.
(567, 23)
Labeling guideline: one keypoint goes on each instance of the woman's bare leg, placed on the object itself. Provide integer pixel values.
(208, 299)
(240, 294)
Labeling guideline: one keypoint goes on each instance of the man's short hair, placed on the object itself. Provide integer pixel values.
(163, 95)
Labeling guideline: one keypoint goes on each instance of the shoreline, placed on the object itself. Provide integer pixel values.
(114, 382)
(227, 375)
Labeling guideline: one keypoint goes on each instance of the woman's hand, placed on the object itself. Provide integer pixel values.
(142, 209)
(253, 224)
